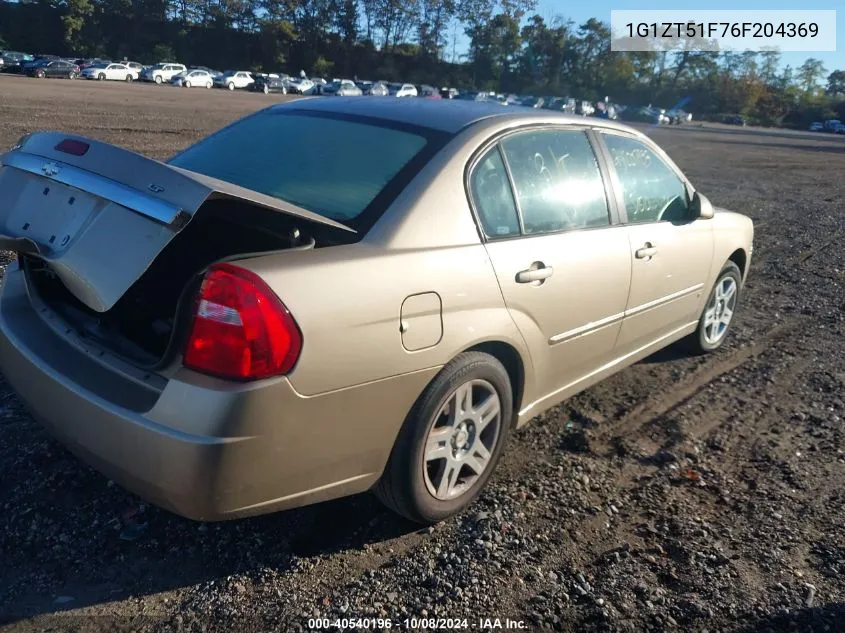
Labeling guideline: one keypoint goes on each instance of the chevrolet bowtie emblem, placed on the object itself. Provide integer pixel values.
(50, 169)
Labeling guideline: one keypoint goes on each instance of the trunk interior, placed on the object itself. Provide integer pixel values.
(145, 326)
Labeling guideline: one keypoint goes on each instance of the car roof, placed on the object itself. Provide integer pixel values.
(449, 116)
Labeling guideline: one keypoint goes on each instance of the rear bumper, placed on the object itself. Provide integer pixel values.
(203, 448)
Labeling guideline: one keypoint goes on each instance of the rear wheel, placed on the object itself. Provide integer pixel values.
(716, 319)
(128, 78)
(101, 77)
(231, 86)
(451, 440)
(40, 74)
(71, 75)
(208, 86)
(158, 79)
(187, 84)
(266, 89)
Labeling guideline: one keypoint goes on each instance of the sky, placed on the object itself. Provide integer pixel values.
(580, 12)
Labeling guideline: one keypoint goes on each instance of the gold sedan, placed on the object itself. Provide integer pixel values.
(337, 295)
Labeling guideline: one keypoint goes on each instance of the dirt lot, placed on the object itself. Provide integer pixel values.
(690, 494)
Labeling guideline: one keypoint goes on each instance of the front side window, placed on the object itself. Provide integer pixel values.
(325, 174)
(493, 197)
(652, 191)
(557, 179)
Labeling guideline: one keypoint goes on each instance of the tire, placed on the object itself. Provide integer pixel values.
(158, 79)
(186, 84)
(208, 86)
(284, 90)
(408, 483)
(129, 79)
(40, 74)
(71, 75)
(266, 89)
(231, 86)
(101, 77)
(709, 337)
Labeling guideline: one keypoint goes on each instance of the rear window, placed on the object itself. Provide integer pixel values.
(316, 161)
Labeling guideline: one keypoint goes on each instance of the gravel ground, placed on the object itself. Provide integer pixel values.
(688, 494)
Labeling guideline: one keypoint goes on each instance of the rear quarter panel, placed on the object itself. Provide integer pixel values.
(347, 299)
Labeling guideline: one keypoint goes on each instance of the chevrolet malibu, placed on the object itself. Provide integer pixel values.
(241, 330)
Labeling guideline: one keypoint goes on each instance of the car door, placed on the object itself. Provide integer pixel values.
(559, 254)
(671, 251)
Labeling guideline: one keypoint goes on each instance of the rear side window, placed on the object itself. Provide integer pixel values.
(493, 197)
(557, 179)
(314, 161)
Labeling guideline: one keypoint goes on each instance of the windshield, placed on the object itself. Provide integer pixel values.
(325, 175)
(97, 66)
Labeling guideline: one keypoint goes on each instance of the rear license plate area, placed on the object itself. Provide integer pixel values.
(47, 212)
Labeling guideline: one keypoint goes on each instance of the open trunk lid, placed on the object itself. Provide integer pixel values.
(99, 214)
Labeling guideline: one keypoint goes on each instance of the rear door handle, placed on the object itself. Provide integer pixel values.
(646, 252)
(539, 273)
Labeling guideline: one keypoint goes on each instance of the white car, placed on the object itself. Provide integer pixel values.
(115, 72)
(232, 79)
(162, 73)
(301, 86)
(193, 79)
(402, 90)
(342, 88)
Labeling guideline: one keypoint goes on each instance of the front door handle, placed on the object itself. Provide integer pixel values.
(646, 252)
(537, 272)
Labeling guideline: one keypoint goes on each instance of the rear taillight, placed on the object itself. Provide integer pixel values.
(241, 330)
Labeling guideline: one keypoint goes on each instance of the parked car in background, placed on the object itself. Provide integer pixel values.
(378, 89)
(57, 68)
(584, 108)
(677, 116)
(202, 371)
(734, 119)
(402, 90)
(532, 102)
(235, 79)
(449, 93)
(319, 84)
(14, 60)
(606, 111)
(301, 85)
(428, 92)
(816, 126)
(342, 88)
(560, 104)
(193, 79)
(86, 62)
(268, 84)
(162, 73)
(113, 72)
(135, 66)
(832, 125)
(473, 96)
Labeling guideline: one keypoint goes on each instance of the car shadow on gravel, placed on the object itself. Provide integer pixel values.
(824, 619)
(172, 553)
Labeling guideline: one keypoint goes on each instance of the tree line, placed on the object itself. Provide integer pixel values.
(510, 49)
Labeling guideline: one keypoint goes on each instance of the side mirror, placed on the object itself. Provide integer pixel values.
(700, 207)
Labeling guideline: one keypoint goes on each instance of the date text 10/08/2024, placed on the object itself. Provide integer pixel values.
(415, 624)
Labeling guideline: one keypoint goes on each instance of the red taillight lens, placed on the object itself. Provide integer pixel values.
(72, 146)
(241, 329)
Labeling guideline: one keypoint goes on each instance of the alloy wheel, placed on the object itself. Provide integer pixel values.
(720, 310)
(461, 439)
